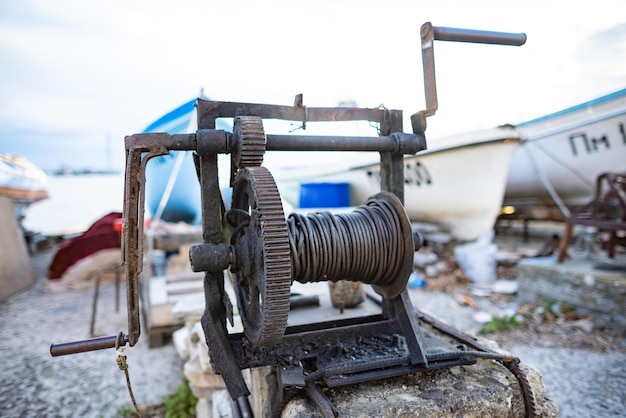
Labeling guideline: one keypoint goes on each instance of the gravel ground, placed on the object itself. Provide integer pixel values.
(583, 365)
(34, 384)
(584, 370)
(581, 383)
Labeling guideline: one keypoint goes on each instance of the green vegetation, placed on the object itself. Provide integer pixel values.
(553, 309)
(126, 411)
(545, 312)
(505, 323)
(182, 403)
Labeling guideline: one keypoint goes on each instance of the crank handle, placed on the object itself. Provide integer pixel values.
(441, 33)
(429, 34)
(83, 346)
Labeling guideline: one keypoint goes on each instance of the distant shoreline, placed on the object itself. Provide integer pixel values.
(70, 172)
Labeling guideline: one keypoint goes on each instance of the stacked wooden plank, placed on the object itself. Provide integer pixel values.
(163, 292)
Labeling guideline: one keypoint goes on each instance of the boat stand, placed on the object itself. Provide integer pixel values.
(606, 212)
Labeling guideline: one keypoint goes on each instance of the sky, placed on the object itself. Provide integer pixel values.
(76, 77)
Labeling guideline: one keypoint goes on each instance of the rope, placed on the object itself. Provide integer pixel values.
(121, 363)
(549, 187)
(365, 245)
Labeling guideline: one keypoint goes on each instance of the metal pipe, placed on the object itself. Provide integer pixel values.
(243, 407)
(83, 346)
(397, 142)
(478, 36)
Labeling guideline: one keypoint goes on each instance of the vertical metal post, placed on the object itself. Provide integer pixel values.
(214, 318)
(392, 180)
(392, 163)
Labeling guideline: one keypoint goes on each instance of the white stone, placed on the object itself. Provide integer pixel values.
(506, 287)
(180, 337)
(482, 317)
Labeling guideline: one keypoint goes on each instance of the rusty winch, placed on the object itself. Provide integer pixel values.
(267, 251)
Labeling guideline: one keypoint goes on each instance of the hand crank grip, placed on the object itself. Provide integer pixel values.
(100, 343)
(476, 36)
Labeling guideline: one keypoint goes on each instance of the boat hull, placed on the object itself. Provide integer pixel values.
(566, 151)
(172, 186)
(184, 201)
(458, 183)
(22, 181)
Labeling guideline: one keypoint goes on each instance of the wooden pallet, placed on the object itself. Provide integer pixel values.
(163, 292)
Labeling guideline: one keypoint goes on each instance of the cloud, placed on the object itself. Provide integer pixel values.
(603, 52)
(75, 69)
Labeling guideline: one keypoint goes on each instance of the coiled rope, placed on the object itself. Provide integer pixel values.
(365, 245)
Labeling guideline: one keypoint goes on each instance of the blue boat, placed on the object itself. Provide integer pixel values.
(172, 187)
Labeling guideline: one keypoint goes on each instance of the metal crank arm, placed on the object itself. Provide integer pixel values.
(432, 33)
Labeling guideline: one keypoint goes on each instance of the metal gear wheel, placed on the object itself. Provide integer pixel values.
(248, 141)
(263, 265)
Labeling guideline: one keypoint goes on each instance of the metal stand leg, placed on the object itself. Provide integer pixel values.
(94, 304)
(117, 288)
(96, 294)
(567, 235)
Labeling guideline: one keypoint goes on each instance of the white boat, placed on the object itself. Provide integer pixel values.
(565, 152)
(458, 182)
(22, 182)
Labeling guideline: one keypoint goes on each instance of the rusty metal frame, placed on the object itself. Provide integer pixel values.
(208, 142)
(594, 213)
(227, 354)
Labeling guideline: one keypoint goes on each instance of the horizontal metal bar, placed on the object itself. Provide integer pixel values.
(203, 140)
(147, 142)
(398, 142)
(83, 346)
(211, 109)
(478, 36)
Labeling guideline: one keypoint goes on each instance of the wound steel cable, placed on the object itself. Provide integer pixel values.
(365, 245)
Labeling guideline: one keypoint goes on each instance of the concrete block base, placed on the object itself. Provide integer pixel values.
(600, 292)
(485, 389)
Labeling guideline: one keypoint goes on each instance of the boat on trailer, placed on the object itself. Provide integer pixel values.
(458, 182)
(564, 153)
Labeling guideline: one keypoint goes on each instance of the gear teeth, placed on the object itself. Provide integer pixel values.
(275, 285)
(527, 391)
(251, 141)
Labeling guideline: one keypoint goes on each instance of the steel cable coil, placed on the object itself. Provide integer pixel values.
(365, 245)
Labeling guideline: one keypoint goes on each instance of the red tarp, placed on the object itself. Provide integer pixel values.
(101, 235)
